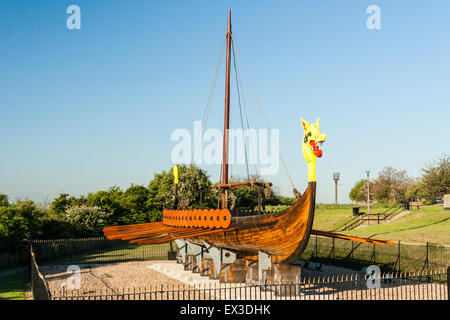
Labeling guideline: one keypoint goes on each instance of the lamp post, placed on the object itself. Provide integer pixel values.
(368, 192)
(336, 179)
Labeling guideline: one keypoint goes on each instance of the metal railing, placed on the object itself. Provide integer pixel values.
(425, 284)
(96, 250)
(367, 217)
(390, 258)
(389, 286)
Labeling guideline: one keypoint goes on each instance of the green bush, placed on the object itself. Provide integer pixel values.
(19, 223)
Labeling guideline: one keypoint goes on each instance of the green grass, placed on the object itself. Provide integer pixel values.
(428, 224)
(276, 208)
(14, 287)
(123, 252)
(330, 219)
(330, 216)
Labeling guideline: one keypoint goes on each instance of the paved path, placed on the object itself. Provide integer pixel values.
(12, 271)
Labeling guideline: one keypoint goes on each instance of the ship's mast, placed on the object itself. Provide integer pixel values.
(227, 115)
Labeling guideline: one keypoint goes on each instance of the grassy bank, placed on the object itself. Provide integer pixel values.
(15, 287)
(330, 216)
(427, 224)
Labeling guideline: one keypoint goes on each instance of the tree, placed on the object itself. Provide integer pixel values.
(359, 191)
(247, 196)
(87, 220)
(414, 191)
(436, 178)
(136, 202)
(194, 188)
(110, 202)
(363, 192)
(391, 185)
(19, 223)
(194, 185)
(4, 200)
(60, 204)
(355, 193)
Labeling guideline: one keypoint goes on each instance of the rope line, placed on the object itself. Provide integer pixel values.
(240, 112)
(246, 116)
(263, 115)
(208, 103)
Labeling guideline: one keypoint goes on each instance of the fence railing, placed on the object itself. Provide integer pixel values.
(15, 258)
(96, 250)
(366, 218)
(355, 255)
(399, 286)
(420, 285)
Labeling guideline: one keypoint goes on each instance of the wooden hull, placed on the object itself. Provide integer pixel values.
(283, 235)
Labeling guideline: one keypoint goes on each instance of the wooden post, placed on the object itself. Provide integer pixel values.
(335, 191)
(368, 192)
(227, 115)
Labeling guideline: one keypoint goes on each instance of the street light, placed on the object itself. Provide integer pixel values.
(336, 179)
(368, 193)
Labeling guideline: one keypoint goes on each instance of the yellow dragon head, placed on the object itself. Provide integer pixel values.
(311, 150)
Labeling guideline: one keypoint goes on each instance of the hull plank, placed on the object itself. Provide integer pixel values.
(283, 235)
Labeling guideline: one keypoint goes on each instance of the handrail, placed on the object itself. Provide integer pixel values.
(346, 223)
(359, 220)
(245, 183)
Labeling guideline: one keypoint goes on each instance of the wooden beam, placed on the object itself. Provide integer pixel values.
(351, 238)
(237, 184)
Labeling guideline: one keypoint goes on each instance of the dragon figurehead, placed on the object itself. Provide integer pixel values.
(311, 150)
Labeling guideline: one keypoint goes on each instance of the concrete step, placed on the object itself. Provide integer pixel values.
(243, 291)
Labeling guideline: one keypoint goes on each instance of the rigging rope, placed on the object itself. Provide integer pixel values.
(240, 112)
(208, 104)
(239, 90)
(263, 115)
(246, 116)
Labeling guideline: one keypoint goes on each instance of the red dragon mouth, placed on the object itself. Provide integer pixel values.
(315, 148)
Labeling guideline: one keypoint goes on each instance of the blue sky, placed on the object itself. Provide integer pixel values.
(83, 110)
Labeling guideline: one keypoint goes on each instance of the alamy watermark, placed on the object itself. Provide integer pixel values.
(74, 20)
(73, 282)
(374, 273)
(256, 147)
(373, 22)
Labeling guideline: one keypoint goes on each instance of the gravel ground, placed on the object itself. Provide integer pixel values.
(325, 270)
(107, 277)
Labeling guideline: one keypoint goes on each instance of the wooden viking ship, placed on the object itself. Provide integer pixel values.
(282, 235)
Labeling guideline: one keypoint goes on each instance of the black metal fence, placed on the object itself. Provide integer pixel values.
(96, 250)
(15, 258)
(420, 285)
(371, 218)
(399, 286)
(355, 255)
